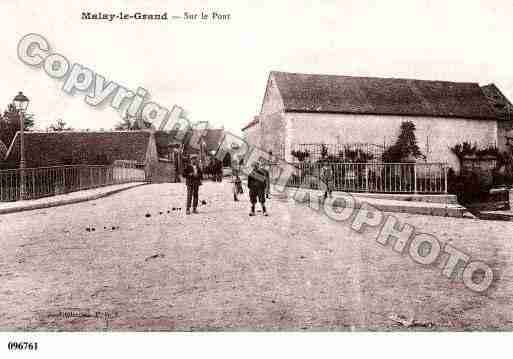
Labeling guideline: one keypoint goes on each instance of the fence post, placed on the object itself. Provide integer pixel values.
(414, 177)
(64, 180)
(366, 178)
(445, 178)
(34, 183)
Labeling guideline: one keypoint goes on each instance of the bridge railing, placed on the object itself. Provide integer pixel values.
(32, 183)
(371, 177)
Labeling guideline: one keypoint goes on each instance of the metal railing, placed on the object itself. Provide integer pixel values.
(345, 152)
(371, 177)
(49, 181)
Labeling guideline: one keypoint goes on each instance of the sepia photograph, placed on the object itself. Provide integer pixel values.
(215, 171)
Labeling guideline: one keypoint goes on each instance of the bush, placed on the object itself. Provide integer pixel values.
(470, 187)
(300, 155)
(464, 149)
(405, 146)
(501, 175)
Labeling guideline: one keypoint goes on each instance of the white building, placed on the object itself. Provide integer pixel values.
(302, 108)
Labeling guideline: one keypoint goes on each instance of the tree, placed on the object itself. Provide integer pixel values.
(124, 125)
(464, 149)
(10, 123)
(300, 155)
(11, 114)
(132, 124)
(59, 126)
(356, 156)
(405, 147)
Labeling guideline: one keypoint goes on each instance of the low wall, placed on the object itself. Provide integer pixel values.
(163, 171)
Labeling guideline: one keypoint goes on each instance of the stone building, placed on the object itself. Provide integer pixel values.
(200, 142)
(160, 153)
(64, 148)
(329, 109)
(45, 149)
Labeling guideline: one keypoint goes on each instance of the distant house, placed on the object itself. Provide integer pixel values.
(308, 108)
(44, 149)
(253, 134)
(213, 139)
(503, 109)
(209, 140)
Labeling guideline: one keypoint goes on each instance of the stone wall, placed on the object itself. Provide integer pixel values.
(163, 171)
(435, 136)
(272, 100)
(253, 135)
(269, 133)
(273, 129)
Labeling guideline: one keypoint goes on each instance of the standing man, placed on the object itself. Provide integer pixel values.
(326, 176)
(257, 184)
(193, 177)
(219, 171)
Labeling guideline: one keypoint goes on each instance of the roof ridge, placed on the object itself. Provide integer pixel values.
(373, 77)
(382, 96)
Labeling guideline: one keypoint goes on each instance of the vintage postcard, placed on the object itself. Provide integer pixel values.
(255, 166)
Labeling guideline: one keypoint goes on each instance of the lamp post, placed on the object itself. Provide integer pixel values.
(21, 103)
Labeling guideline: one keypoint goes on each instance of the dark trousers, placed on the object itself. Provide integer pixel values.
(258, 195)
(192, 195)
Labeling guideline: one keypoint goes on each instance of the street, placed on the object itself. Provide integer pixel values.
(131, 262)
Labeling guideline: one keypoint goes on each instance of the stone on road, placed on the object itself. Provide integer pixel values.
(223, 270)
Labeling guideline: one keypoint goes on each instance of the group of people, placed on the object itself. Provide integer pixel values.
(214, 170)
(258, 185)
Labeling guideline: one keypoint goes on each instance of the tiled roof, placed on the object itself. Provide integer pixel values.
(77, 147)
(212, 136)
(500, 103)
(381, 96)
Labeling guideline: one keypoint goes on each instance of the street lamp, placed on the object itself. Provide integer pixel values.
(21, 103)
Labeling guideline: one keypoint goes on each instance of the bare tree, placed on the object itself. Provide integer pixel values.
(59, 126)
(132, 124)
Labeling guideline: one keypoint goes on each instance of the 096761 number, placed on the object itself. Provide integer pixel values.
(22, 346)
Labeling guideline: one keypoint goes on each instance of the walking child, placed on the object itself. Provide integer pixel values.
(237, 184)
(257, 184)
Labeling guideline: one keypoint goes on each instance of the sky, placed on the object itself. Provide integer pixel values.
(217, 70)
